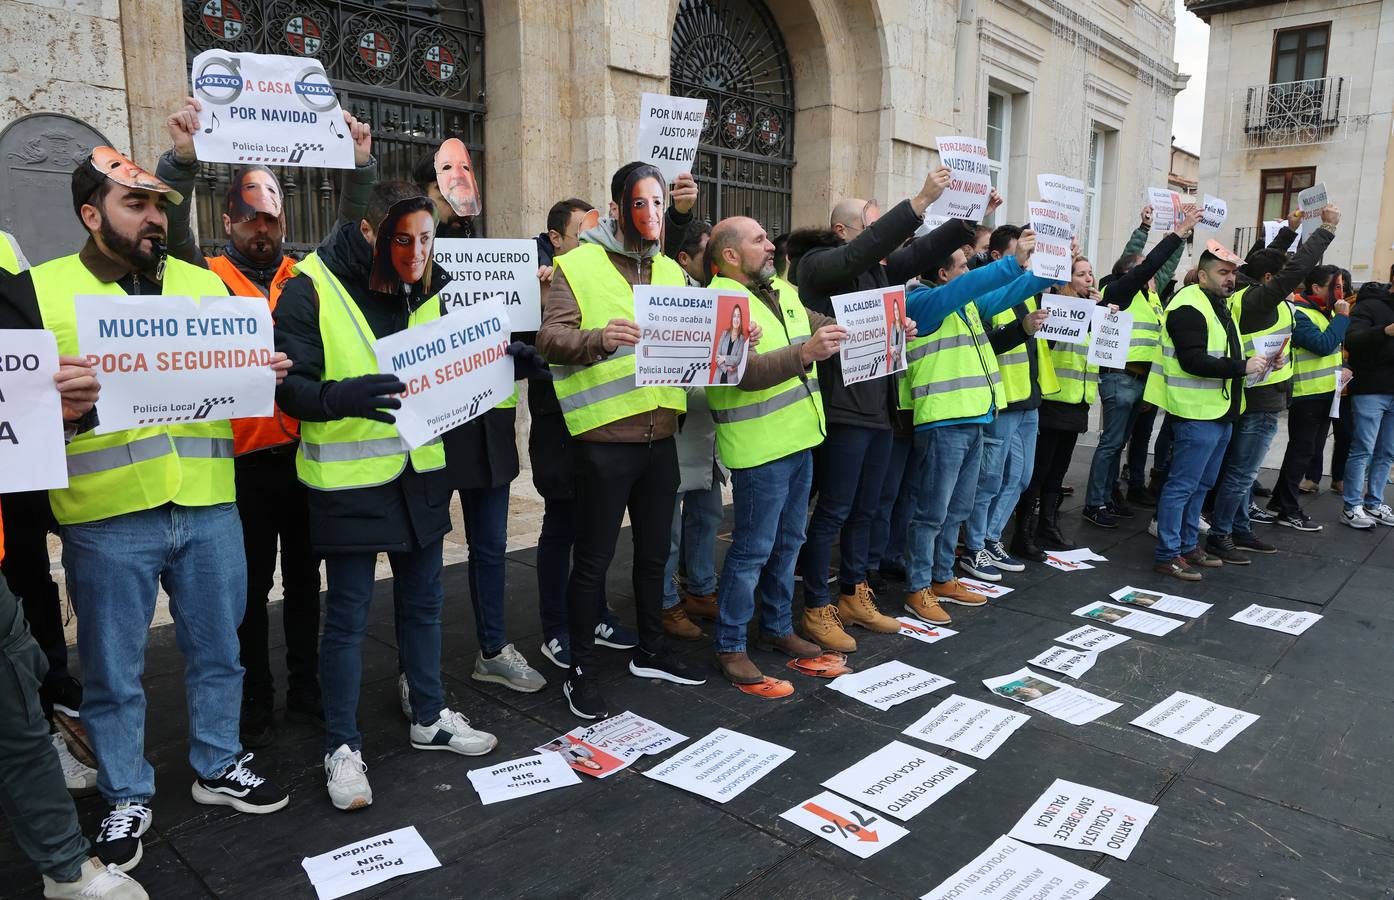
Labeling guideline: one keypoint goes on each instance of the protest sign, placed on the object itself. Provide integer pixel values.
(721, 765)
(986, 588)
(1067, 318)
(522, 777)
(1284, 620)
(1066, 193)
(968, 191)
(456, 369)
(669, 129)
(162, 359)
(587, 758)
(1311, 201)
(1056, 561)
(272, 110)
(899, 780)
(1109, 336)
(931, 222)
(1091, 638)
(1066, 703)
(1052, 258)
(1079, 817)
(1012, 869)
(31, 414)
(365, 863)
(1271, 347)
(1214, 213)
(481, 268)
(1159, 602)
(1196, 721)
(858, 831)
(930, 634)
(1166, 209)
(1271, 229)
(1343, 377)
(1080, 554)
(888, 684)
(968, 726)
(876, 333)
(629, 732)
(1067, 661)
(1131, 619)
(690, 336)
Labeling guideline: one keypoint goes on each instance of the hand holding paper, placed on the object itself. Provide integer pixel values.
(77, 387)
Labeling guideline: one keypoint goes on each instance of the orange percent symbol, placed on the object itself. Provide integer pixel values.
(925, 631)
(844, 825)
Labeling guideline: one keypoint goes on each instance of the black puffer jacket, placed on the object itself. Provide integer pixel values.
(1371, 349)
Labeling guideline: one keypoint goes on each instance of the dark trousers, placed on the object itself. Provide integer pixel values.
(610, 478)
(1054, 448)
(1340, 449)
(1307, 418)
(274, 507)
(486, 533)
(1138, 444)
(851, 470)
(28, 519)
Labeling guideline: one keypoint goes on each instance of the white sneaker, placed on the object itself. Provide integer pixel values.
(1381, 514)
(404, 695)
(95, 881)
(347, 779)
(510, 669)
(1357, 518)
(452, 732)
(81, 778)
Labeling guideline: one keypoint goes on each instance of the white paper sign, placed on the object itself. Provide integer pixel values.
(1131, 619)
(971, 184)
(1091, 638)
(986, 588)
(1067, 661)
(1159, 602)
(931, 222)
(628, 731)
(1214, 213)
(360, 865)
(1080, 554)
(1271, 347)
(690, 336)
(1079, 817)
(31, 415)
(1271, 229)
(922, 631)
(481, 268)
(522, 777)
(1166, 209)
(1109, 336)
(669, 129)
(456, 369)
(888, 684)
(1311, 202)
(1066, 193)
(900, 780)
(1051, 697)
(1067, 318)
(1011, 869)
(271, 110)
(1196, 721)
(162, 360)
(876, 333)
(1056, 561)
(1284, 620)
(858, 831)
(721, 765)
(1052, 256)
(968, 726)
(1343, 377)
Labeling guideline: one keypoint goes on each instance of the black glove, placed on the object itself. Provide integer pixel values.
(364, 397)
(528, 363)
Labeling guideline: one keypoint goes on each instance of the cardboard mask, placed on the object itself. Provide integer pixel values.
(400, 255)
(455, 178)
(1217, 249)
(126, 173)
(258, 191)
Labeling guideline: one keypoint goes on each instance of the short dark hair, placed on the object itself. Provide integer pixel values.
(1125, 263)
(387, 194)
(424, 172)
(781, 251)
(1320, 275)
(691, 242)
(932, 273)
(980, 230)
(1264, 262)
(1002, 237)
(559, 216)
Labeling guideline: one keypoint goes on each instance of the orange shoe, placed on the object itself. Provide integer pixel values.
(860, 609)
(923, 605)
(952, 591)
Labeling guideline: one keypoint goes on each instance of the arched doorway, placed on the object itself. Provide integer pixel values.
(731, 53)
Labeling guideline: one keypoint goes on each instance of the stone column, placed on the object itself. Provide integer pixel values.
(157, 75)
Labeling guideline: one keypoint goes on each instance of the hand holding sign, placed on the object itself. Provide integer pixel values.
(684, 193)
(77, 387)
(182, 125)
(824, 343)
(935, 183)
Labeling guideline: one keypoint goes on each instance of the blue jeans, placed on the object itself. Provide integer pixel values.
(115, 567)
(948, 478)
(1371, 449)
(850, 475)
(771, 508)
(1137, 446)
(554, 564)
(1235, 487)
(1120, 396)
(1009, 454)
(486, 533)
(891, 524)
(418, 596)
(696, 518)
(1198, 447)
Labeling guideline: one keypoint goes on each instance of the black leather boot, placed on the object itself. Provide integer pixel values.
(1028, 513)
(1048, 536)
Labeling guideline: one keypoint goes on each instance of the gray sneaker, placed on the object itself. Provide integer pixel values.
(1381, 514)
(509, 669)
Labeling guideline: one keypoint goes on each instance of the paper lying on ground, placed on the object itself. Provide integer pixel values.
(585, 757)
(628, 732)
(899, 780)
(1196, 721)
(1091, 638)
(721, 765)
(1284, 620)
(923, 631)
(1079, 817)
(1055, 561)
(360, 865)
(858, 831)
(1065, 660)
(986, 588)
(1069, 704)
(1159, 602)
(1132, 619)
(1012, 869)
(522, 777)
(1081, 554)
(968, 726)
(888, 684)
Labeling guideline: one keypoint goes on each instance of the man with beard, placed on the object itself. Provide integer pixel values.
(145, 507)
(271, 501)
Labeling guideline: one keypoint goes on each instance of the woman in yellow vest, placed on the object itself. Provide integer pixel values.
(626, 458)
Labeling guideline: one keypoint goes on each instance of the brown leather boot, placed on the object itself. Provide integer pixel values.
(738, 668)
(923, 605)
(700, 606)
(823, 626)
(860, 609)
(791, 645)
(677, 624)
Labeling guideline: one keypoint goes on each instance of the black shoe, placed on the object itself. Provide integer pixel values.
(242, 789)
(63, 694)
(305, 707)
(1119, 506)
(1260, 516)
(583, 696)
(665, 665)
(118, 837)
(1252, 544)
(1261, 491)
(1028, 514)
(1139, 495)
(1299, 520)
(1222, 545)
(1100, 516)
(1048, 533)
(258, 727)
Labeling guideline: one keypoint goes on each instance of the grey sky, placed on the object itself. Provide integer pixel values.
(1192, 43)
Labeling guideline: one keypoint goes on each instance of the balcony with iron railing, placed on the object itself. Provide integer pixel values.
(1290, 114)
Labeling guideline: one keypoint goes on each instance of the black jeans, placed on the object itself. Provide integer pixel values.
(274, 504)
(611, 478)
(1054, 448)
(28, 519)
(1307, 418)
(1340, 448)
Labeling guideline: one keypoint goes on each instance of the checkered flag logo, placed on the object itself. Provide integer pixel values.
(690, 373)
(301, 149)
(207, 405)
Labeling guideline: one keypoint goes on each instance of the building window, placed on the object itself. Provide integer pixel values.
(1299, 54)
(1093, 191)
(999, 144)
(1278, 190)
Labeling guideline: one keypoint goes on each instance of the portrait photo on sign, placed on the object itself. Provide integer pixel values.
(583, 757)
(455, 178)
(732, 339)
(1026, 689)
(1105, 614)
(639, 212)
(402, 251)
(895, 331)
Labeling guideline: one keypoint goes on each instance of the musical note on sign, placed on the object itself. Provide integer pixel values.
(209, 129)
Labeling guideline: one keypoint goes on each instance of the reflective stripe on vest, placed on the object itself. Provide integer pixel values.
(1312, 374)
(354, 453)
(1174, 389)
(954, 374)
(1281, 327)
(1145, 344)
(1078, 379)
(603, 392)
(138, 468)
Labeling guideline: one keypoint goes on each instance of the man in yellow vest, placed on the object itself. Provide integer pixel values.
(145, 507)
(765, 428)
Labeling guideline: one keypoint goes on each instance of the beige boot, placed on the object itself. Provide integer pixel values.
(822, 625)
(860, 609)
(677, 624)
(923, 605)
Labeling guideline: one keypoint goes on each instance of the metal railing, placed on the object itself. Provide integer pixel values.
(1291, 114)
